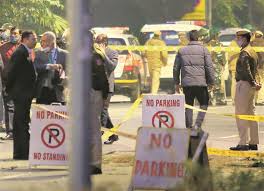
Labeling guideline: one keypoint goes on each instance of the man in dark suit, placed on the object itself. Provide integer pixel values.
(110, 63)
(21, 78)
(50, 63)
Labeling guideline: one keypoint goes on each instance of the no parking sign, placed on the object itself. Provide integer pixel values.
(163, 111)
(49, 132)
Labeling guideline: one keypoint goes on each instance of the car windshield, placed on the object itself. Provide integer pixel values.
(227, 38)
(170, 37)
(118, 42)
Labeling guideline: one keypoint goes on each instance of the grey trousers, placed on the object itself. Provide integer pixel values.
(96, 103)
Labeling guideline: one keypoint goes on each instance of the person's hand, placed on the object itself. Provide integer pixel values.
(54, 66)
(178, 89)
(257, 86)
(210, 87)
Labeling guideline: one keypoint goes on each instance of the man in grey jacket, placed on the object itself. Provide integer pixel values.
(50, 63)
(193, 62)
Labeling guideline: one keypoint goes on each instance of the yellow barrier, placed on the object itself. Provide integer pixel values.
(258, 118)
(176, 48)
(128, 115)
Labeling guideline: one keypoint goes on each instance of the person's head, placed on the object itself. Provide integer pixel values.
(258, 34)
(15, 35)
(193, 35)
(48, 41)
(243, 37)
(29, 38)
(157, 34)
(102, 39)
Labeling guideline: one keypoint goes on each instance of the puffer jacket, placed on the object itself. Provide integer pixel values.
(194, 63)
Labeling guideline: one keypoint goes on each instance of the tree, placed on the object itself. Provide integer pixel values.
(38, 15)
(238, 13)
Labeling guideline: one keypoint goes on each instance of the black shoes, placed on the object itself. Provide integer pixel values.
(7, 137)
(244, 148)
(240, 148)
(95, 170)
(253, 147)
(111, 139)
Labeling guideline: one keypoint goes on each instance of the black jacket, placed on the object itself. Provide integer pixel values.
(21, 75)
(246, 67)
(99, 75)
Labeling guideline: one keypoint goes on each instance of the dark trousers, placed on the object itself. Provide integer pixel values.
(9, 114)
(47, 97)
(105, 118)
(21, 128)
(201, 94)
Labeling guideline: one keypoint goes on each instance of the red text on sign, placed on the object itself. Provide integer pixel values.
(160, 140)
(159, 169)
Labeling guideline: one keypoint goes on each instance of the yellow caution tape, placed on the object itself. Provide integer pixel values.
(258, 118)
(126, 81)
(176, 48)
(127, 116)
(229, 153)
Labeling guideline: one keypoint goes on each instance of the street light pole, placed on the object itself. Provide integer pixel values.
(80, 82)
(209, 13)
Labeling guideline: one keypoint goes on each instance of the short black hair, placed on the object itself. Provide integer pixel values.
(194, 35)
(13, 29)
(26, 34)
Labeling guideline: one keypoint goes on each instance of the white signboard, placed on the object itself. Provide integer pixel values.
(160, 157)
(49, 132)
(163, 111)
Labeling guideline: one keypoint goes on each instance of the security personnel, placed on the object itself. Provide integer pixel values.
(219, 61)
(246, 87)
(232, 58)
(259, 42)
(156, 59)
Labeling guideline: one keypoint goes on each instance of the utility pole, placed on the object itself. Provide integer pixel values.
(80, 83)
(209, 13)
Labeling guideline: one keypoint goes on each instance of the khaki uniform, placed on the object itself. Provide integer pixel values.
(156, 59)
(232, 60)
(246, 74)
(259, 42)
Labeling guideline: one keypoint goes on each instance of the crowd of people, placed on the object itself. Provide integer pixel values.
(28, 73)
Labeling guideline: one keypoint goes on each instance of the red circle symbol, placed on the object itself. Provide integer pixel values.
(53, 136)
(163, 118)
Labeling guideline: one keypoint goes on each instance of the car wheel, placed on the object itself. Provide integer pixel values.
(135, 93)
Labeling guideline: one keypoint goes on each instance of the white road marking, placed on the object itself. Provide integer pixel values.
(228, 137)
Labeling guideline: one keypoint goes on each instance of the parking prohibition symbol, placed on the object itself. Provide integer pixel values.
(163, 118)
(53, 136)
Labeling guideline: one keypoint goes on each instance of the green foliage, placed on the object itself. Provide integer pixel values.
(38, 15)
(202, 179)
(238, 13)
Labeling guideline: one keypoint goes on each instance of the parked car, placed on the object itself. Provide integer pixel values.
(131, 73)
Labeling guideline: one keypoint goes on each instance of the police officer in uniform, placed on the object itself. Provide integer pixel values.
(246, 87)
(156, 60)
